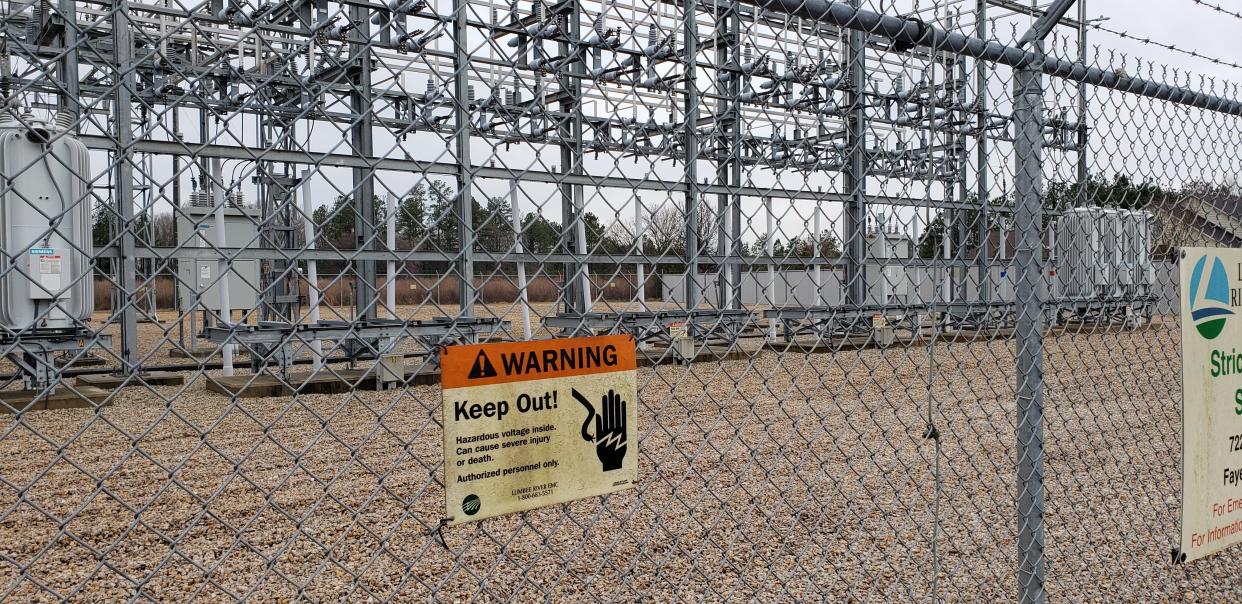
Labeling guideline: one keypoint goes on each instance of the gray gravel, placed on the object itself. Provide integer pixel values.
(787, 477)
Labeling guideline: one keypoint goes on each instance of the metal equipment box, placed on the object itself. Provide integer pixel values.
(198, 280)
(889, 283)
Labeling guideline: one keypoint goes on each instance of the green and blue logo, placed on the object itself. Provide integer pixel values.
(1209, 301)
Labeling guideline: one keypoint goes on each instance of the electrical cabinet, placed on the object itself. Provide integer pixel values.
(198, 281)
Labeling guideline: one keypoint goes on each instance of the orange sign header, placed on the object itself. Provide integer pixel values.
(504, 362)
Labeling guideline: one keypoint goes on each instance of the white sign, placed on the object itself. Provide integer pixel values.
(1211, 294)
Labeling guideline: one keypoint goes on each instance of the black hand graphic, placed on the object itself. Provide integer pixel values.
(610, 436)
(610, 429)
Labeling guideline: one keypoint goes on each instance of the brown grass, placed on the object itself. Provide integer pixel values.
(165, 292)
(419, 289)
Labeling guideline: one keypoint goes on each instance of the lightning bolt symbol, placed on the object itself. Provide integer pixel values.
(614, 440)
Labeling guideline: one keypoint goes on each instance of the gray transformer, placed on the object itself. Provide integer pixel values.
(1104, 254)
(198, 279)
(1138, 271)
(45, 227)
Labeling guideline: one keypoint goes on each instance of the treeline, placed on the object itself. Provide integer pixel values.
(1119, 191)
(427, 220)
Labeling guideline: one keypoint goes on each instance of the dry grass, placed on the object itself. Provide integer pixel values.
(786, 477)
(419, 289)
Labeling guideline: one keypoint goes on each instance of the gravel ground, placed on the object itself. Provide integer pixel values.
(785, 477)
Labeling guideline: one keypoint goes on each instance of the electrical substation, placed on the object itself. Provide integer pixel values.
(866, 252)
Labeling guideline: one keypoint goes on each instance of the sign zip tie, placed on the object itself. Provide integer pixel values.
(1179, 557)
(440, 530)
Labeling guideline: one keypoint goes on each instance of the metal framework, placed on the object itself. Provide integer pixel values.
(290, 66)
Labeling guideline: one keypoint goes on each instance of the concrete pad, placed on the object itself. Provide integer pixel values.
(811, 345)
(86, 360)
(648, 357)
(203, 353)
(1094, 328)
(977, 335)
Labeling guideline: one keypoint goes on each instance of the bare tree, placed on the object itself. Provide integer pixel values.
(666, 230)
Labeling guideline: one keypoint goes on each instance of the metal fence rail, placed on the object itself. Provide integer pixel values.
(926, 254)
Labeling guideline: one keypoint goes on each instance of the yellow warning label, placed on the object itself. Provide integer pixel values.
(530, 424)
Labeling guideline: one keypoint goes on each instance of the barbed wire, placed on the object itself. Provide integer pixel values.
(1166, 46)
(1170, 47)
(1218, 8)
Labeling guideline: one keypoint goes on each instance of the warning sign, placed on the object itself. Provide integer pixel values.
(530, 424)
(1211, 299)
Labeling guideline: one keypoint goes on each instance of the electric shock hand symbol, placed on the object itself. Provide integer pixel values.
(610, 425)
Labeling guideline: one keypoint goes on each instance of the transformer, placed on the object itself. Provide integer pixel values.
(1085, 250)
(1139, 272)
(198, 279)
(45, 227)
(1103, 254)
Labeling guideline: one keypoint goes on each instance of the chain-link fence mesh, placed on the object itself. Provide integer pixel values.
(924, 263)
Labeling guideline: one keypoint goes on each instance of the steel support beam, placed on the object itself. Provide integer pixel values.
(71, 100)
(1044, 24)
(855, 186)
(464, 171)
(981, 158)
(690, 138)
(576, 294)
(1080, 200)
(729, 171)
(340, 160)
(361, 98)
(123, 193)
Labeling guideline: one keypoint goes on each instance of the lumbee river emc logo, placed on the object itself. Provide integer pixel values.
(1209, 302)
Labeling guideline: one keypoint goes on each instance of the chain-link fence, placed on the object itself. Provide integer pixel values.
(924, 256)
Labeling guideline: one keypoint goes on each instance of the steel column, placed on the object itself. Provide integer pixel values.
(856, 169)
(123, 133)
(690, 138)
(361, 99)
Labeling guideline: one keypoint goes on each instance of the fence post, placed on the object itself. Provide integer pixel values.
(1028, 341)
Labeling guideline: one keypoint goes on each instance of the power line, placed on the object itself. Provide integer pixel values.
(1018, 8)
